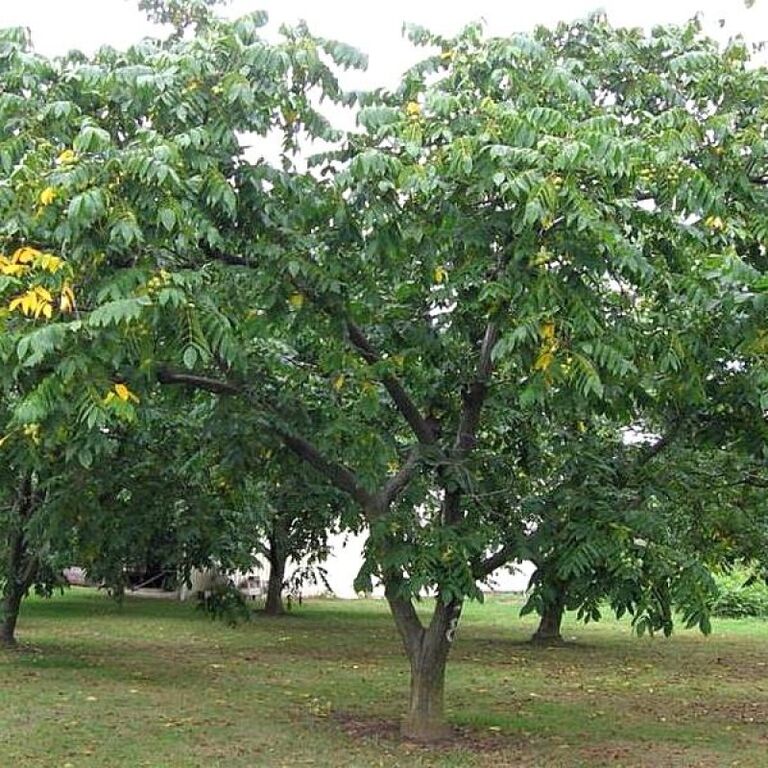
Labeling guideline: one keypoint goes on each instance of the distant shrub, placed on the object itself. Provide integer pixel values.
(737, 598)
(225, 602)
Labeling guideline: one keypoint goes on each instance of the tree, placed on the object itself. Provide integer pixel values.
(543, 225)
(93, 163)
(645, 533)
(292, 513)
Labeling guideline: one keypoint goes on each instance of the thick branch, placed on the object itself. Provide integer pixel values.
(466, 435)
(217, 386)
(490, 564)
(339, 475)
(400, 481)
(421, 427)
(652, 451)
(406, 619)
(423, 430)
(474, 395)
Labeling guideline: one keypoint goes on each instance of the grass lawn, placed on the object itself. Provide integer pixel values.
(155, 683)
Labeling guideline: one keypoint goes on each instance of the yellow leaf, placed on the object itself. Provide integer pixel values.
(29, 303)
(11, 269)
(547, 331)
(714, 223)
(50, 263)
(440, 274)
(67, 157)
(43, 293)
(544, 360)
(47, 196)
(338, 382)
(413, 109)
(17, 302)
(296, 300)
(446, 55)
(25, 255)
(125, 394)
(67, 298)
(32, 431)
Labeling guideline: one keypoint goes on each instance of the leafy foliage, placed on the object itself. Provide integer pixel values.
(740, 594)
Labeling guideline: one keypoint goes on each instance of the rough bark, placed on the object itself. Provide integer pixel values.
(427, 649)
(274, 605)
(548, 632)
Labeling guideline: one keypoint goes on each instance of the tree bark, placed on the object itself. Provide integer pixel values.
(274, 605)
(427, 650)
(21, 567)
(551, 618)
(11, 604)
(16, 585)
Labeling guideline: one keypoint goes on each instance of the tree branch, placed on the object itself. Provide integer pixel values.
(664, 442)
(490, 564)
(400, 481)
(217, 386)
(339, 475)
(406, 619)
(474, 396)
(466, 435)
(421, 426)
(424, 431)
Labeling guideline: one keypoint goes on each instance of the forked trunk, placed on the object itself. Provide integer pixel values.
(274, 605)
(427, 650)
(548, 632)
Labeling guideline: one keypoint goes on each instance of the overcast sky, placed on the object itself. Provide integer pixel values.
(375, 27)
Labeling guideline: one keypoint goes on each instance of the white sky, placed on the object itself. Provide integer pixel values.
(58, 25)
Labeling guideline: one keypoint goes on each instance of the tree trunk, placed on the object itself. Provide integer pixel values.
(17, 579)
(548, 632)
(21, 567)
(427, 650)
(274, 605)
(11, 604)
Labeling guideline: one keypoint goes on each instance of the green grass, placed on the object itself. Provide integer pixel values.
(155, 683)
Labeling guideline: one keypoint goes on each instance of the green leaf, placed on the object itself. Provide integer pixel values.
(119, 311)
(190, 357)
